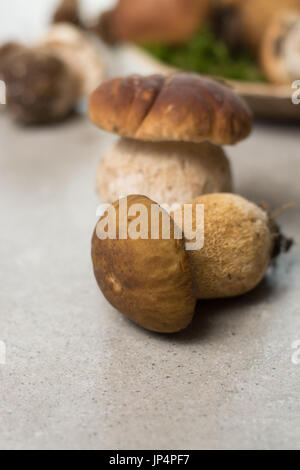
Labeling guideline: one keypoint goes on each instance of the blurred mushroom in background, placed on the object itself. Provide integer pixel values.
(68, 12)
(170, 21)
(45, 81)
(226, 22)
(280, 49)
(255, 15)
(40, 88)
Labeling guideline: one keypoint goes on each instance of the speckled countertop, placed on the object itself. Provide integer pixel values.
(80, 376)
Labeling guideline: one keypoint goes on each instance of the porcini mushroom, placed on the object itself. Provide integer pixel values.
(67, 12)
(280, 49)
(148, 280)
(168, 21)
(168, 172)
(177, 124)
(240, 240)
(150, 275)
(79, 52)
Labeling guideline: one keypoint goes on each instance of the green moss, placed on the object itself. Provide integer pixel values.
(205, 54)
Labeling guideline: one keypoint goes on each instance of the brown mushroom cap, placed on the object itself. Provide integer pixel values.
(153, 20)
(147, 280)
(238, 246)
(181, 107)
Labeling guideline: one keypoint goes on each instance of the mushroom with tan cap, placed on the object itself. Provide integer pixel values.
(44, 82)
(169, 21)
(172, 129)
(148, 280)
(280, 49)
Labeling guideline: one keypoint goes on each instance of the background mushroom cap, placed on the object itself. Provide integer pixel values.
(167, 172)
(280, 49)
(255, 16)
(181, 107)
(79, 52)
(238, 246)
(153, 20)
(147, 280)
(67, 12)
(40, 88)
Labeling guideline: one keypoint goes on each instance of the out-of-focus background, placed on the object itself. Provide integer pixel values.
(76, 374)
(28, 20)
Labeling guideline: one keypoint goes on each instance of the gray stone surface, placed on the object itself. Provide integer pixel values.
(79, 375)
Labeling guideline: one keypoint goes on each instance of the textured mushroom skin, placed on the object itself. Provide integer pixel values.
(181, 107)
(238, 245)
(149, 281)
(280, 48)
(40, 88)
(155, 20)
(167, 172)
(78, 52)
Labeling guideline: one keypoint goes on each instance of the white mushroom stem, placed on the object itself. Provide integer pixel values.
(167, 172)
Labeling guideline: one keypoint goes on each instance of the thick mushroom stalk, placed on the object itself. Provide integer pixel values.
(79, 53)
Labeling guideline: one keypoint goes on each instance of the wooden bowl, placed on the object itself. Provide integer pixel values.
(266, 100)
